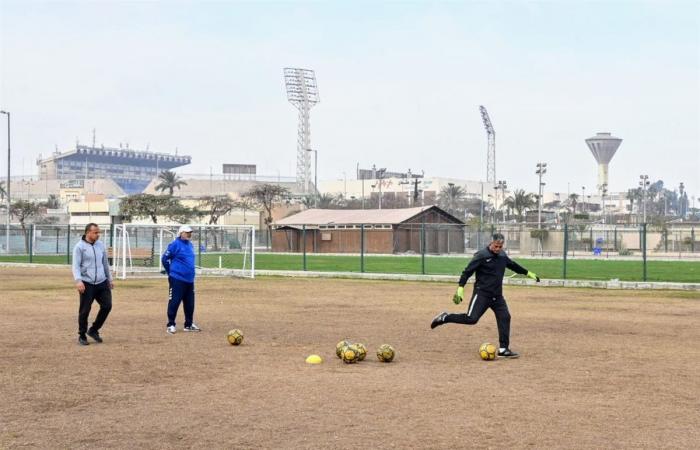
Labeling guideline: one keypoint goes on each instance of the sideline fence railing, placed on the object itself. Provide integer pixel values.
(573, 251)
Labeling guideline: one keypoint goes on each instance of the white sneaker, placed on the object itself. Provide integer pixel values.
(171, 329)
(192, 327)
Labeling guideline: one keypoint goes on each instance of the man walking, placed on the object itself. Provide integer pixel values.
(93, 279)
(490, 265)
(178, 263)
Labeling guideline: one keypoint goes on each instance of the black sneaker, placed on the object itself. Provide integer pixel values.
(438, 320)
(82, 340)
(95, 335)
(507, 353)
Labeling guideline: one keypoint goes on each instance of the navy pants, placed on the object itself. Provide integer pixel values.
(479, 303)
(180, 291)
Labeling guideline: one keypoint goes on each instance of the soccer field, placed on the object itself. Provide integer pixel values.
(599, 368)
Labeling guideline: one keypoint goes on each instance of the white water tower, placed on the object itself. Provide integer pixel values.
(603, 146)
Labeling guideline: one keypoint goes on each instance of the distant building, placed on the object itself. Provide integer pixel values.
(405, 230)
(132, 170)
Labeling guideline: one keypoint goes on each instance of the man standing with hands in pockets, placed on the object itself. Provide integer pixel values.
(93, 280)
(178, 263)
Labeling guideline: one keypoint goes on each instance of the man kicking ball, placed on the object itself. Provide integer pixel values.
(490, 265)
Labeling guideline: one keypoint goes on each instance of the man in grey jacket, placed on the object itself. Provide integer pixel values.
(93, 279)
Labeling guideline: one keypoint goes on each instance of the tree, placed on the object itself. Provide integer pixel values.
(52, 202)
(267, 196)
(153, 206)
(573, 201)
(24, 210)
(521, 202)
(215, 207)
(450, 197)
(3, 191)
(169, 180)
(326, 201)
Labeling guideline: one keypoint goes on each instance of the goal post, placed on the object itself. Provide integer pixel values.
(220, 250)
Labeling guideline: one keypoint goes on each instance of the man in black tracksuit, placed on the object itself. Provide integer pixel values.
(490, 265)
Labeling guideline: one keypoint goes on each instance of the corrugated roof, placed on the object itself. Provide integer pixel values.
(352, 216)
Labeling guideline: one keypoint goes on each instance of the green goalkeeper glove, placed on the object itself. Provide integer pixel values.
(533, 275)
(459, 295)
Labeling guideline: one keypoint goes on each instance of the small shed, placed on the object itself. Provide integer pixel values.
(405, 230)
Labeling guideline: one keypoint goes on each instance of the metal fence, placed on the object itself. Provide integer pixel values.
(644, 252)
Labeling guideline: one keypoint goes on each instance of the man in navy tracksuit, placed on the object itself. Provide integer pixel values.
(178, 263)
(490, 265)
(93, 280)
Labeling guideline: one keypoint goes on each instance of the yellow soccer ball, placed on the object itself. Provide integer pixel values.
(235, 337)
(487, 351)
(350, 354)
(362, 351)
(386, 353)
(339, 348)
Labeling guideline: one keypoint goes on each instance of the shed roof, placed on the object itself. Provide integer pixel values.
(357, 216)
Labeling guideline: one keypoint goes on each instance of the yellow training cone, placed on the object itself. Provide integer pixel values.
(314, 359)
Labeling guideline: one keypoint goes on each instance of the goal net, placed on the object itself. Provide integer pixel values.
(223, 250)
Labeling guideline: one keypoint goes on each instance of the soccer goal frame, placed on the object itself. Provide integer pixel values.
(221, 250)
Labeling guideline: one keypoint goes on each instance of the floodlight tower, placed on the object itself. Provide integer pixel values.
(491, 152)
(302, 92)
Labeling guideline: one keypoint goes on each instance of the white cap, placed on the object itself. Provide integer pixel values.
(184, 229)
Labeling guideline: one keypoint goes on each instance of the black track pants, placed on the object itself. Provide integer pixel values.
(478, 305)
(103, 294)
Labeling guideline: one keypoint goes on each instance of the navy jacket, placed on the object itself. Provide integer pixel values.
(489, 268)
(178, 260)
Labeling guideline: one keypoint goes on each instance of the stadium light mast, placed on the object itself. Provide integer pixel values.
(302, 92)
(541, 170)
(491, 151)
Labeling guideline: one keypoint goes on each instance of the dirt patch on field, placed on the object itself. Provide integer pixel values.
(600, 369)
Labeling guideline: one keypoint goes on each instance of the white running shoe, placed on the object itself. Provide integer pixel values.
(171, 329)
(192, 327)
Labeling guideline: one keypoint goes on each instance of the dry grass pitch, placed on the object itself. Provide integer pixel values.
(600, 369)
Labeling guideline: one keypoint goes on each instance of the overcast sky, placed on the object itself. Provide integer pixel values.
(400, 84)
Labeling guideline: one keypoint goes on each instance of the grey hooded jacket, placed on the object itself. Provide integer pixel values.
(90, 263)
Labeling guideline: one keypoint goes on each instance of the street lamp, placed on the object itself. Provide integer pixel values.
(315, 175)
(583, 199)
(541, 170)
(7, 229)
(451, 194)
(644, 182)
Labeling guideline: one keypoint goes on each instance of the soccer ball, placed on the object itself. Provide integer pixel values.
(350, 354)
(235, 337)
(340, 346)
(362, 351)
(386, 353)
(487, 351)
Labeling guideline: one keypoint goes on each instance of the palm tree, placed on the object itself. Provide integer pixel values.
(169, 180)
(325, 201)
(450, 196)
(573, 201)
(522, 201)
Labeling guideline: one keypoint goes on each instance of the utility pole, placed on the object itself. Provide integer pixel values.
(541, 170)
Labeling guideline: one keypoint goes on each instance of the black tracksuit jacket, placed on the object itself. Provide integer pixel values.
(489, 268)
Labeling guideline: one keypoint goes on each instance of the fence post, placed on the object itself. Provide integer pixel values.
(31, 243)
(303, 244)
(199, 247)
(615, 239)
(422, 253)
(644, 250)
(566, 247)
(68, 252)
(58, 232)
(692, 239)
(362, 248)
